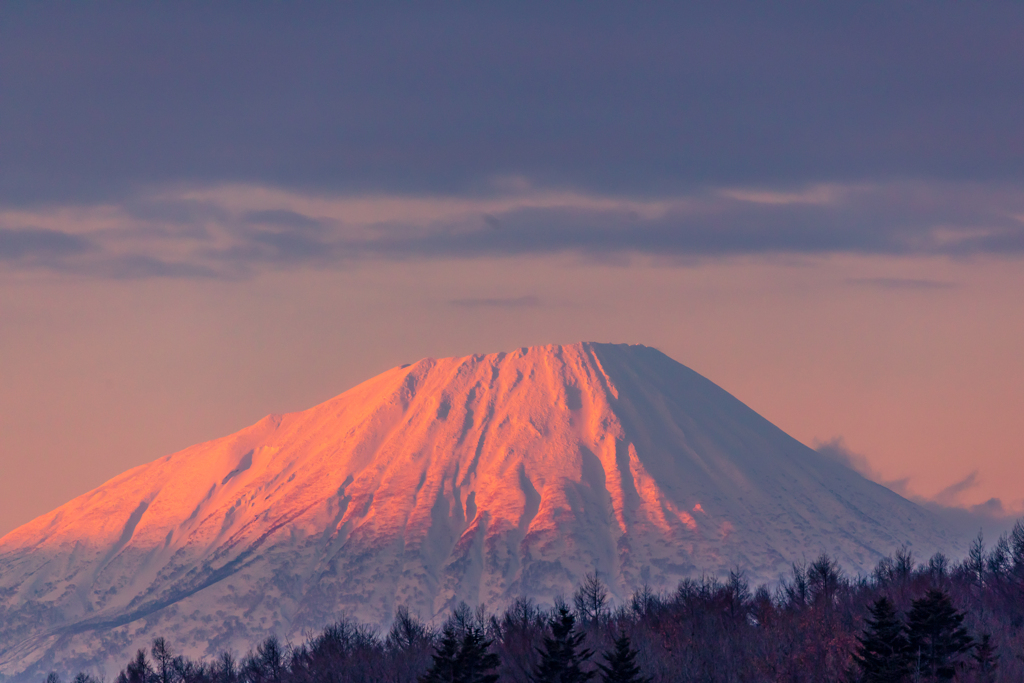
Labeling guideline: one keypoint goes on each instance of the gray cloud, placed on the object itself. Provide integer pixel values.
(177, 212)
(992, 517)
(222, 236)
(950, 496)
(836, 450)
(900, 283)
(718, 228)
(101, 106)
(26, 244)
(138, 266)
(97, 101)
(527, 301)
(282, 218)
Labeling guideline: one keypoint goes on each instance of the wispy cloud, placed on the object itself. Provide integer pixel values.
(234, 231)
(900, 283)
(820, 194)
(33, 245)
(836, 449)
(281, 218)
(992, 515)
(527, 301)
(952, 494)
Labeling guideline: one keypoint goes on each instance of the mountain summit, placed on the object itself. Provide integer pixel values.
(473, 479)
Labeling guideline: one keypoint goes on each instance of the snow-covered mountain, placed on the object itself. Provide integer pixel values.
(476, 479)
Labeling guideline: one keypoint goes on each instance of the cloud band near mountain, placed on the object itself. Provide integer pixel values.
(236, 231)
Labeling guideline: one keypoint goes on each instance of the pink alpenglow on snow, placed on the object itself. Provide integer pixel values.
(475, 479)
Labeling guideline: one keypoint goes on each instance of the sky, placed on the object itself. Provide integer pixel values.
(212, 213)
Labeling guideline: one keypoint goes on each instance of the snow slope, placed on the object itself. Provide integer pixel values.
(476, 479)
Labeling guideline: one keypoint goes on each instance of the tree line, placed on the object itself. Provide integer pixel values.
(907, 622)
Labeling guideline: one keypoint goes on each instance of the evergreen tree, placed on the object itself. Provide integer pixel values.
(468, 662)
(442, 670)
(621, 664)
(883, 650)
(938, 641)
(561, 657)
(475, 661)
(1017, 549)
(985, 660)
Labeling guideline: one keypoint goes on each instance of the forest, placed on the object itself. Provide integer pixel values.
(909, 621)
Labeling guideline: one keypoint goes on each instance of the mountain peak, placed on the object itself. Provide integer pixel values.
(475, 479)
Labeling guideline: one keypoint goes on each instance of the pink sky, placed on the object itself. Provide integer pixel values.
(914, 362)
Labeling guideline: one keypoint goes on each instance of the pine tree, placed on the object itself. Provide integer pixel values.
(938, 641)
(621, 664)
(883, 651)
(985, 660)
(561, 659)
(442, 670)
(468, 662)
(1017, 549)
(475, 661)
